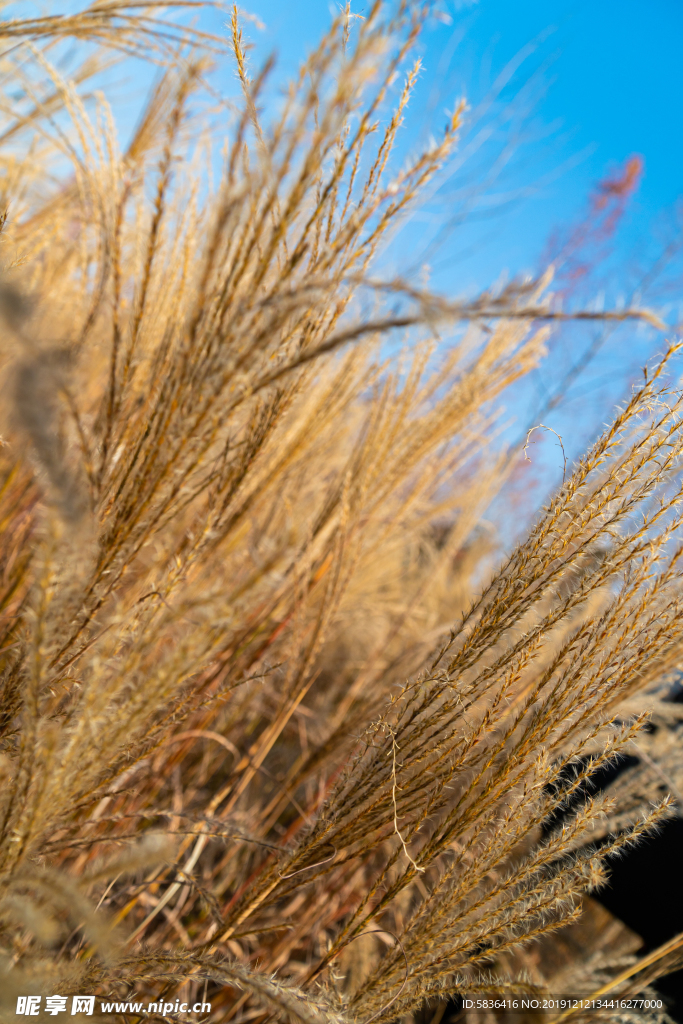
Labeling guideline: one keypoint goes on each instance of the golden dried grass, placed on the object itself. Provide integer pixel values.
(233, 527)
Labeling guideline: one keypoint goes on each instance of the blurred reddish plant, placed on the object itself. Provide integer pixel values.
(578, 252)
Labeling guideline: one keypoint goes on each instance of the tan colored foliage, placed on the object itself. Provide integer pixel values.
(246, 755)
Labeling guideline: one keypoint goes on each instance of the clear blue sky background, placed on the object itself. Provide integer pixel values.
(603, 79)
(587, 83)
(595, 82)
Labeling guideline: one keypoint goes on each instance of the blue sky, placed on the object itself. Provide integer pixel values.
(585, 85)
(601, 80)
(594, 82)
(589, 83)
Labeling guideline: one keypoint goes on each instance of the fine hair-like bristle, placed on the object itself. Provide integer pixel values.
(274, 733)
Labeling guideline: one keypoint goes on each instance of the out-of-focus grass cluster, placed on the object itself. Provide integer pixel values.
(275, 735)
